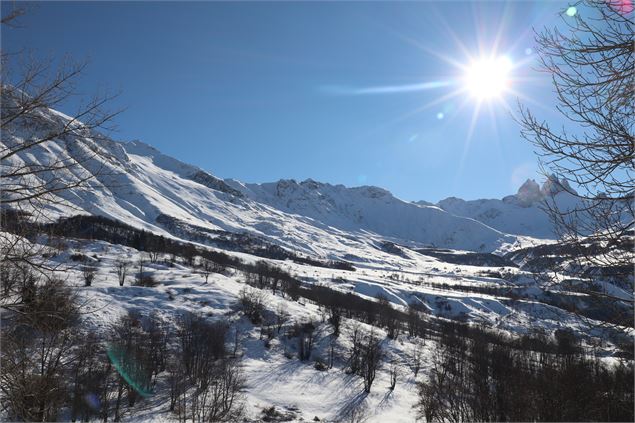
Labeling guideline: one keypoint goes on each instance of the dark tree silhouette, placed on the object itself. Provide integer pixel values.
(592, 67)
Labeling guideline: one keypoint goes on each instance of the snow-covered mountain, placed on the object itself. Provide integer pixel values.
(373, 210)
(521, 213)
(135, 183)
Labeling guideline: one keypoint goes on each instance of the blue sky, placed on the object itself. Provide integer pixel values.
(263, 91)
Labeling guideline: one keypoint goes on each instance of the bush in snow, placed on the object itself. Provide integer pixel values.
(320, 365)
(252, 302)
(146, 280)
(88, 273)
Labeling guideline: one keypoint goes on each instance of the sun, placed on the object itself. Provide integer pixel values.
(488, 78)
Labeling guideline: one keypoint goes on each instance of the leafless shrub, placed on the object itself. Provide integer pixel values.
(88, 273)
(146, 280)
(252, 302)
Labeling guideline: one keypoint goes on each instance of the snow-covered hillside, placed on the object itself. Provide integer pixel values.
(134, 183)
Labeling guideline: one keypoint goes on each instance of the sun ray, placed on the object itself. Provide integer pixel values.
(422, 108)
(468, 139)
(414, 112)
(507, 106)
(501, 27)
(387, 89)
(543, 17)
(455, 63)
(426, 49)
(457, 41)
(470, 131)
(494, 123)
(528, 99)
(523, 62)
(489, 77)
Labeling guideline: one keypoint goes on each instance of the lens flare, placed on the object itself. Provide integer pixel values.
(128, 371)
(625, 7)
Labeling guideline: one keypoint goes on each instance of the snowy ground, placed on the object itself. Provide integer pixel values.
(296, 388)
(273, 379)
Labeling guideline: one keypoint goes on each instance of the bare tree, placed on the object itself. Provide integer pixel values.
(394, 372)
(122, 270)
(306, 339)
(176, 382)
(11, 18)
(37, 353)
(371, 360)
(154, 256)
(206, 268)
(218, 399)
(417, 355)
(332, 343)
(201, 376)
(88, 272)
(414, 322)
(30, 181)
(141, 263)
(335, 319)
(354, 359)
(282, 316)
(433, 393)
(28, 92)
(236, 343)
(592, 67)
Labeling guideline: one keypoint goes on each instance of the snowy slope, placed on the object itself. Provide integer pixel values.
(134, 183)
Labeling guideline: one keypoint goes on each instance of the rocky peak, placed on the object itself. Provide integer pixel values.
(529, 193)
(554, 185)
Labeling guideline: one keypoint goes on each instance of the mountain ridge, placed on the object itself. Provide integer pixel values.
(135, 183)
